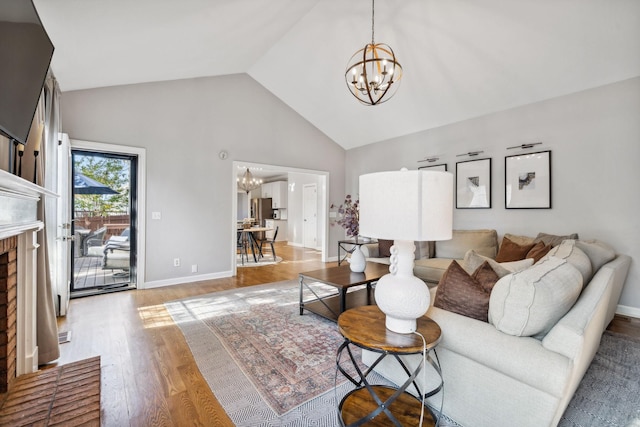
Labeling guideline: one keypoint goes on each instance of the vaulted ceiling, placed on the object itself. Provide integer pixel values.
(461, 58)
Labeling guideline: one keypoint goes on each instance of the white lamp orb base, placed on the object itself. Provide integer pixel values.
(400, 295)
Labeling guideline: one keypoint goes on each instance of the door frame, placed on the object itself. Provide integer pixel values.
(323, 206)
(77, 144)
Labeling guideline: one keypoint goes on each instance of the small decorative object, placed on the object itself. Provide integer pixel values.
(405, 206)
(36, 151)
(20, 154)
(373, 74)
(357, 262)
(528, 181)
(473, 184)
(349, 216)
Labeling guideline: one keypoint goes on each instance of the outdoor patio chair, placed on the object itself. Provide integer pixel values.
(94, 239)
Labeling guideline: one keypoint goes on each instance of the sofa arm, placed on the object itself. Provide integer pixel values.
(370, 250)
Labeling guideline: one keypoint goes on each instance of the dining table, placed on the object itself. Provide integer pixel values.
(249, 239)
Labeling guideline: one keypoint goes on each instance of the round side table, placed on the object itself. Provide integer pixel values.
(383, 405)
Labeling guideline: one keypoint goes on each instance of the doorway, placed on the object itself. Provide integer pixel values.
(310, 215)
(104, 213)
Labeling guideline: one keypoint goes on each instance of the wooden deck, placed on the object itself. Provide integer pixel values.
(88, 274)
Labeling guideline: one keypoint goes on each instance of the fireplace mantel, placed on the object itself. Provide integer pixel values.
(19, 217)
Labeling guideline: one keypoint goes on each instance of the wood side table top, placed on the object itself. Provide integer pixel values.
(365, 327)
(342, 276)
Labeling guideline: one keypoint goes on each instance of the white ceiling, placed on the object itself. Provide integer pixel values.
(461, 58)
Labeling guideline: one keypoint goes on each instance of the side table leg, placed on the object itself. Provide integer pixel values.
(301, 292)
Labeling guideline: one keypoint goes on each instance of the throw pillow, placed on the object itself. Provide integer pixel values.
(599, 253)
(473, 260)
(538, 251)
(532, 301)
(574, 256)
(384, 248)
(510, 251)
(552, 239)
(466, 295)
(520, 240)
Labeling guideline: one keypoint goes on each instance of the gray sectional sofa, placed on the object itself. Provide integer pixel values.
(499, 373)
(433, 258)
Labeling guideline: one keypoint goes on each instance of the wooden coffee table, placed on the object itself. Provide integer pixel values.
(342, 278)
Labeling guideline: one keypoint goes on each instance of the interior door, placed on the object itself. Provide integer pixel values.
(64, 238)
(310, 215)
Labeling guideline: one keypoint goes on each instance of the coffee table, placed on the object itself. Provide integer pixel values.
(342, 278)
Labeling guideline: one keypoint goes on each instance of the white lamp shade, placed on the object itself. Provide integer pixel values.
(406, 205)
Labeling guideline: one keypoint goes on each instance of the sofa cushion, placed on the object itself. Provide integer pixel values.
(510, 251)
(574, 256)
(467, 295)
(538, 251)
(484, 242)
(473, 260)
(599, 253)
(530, 302)
(552, 239)
(520, 240)
(384, 247)
(431, 269)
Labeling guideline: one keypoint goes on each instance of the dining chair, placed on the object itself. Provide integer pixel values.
(270, 241)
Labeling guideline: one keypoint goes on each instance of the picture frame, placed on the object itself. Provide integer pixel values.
(473, 184)
(527, 180)
(439, 167)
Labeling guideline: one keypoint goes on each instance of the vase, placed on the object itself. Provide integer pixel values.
(357, 262)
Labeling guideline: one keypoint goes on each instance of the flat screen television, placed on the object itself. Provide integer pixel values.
(25, 54)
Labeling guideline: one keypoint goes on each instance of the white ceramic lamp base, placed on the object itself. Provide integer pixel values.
(400, 295)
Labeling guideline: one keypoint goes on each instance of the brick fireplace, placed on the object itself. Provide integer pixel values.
(8, 311)
(19, 226)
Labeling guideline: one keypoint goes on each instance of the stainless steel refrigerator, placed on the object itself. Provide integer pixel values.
(261, 210)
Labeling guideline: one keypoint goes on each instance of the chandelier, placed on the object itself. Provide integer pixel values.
(373, 74)
(248, 182)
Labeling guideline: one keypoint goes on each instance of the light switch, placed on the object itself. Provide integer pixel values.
(156, 215)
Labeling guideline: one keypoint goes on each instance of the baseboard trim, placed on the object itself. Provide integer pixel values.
(187, 279)
(625, 310)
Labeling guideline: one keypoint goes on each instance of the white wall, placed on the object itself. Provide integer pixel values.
(183, 125)
(594, 137)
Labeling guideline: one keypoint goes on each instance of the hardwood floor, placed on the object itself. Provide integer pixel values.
(149, 377)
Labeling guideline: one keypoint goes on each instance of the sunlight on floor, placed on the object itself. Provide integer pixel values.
(155, 316)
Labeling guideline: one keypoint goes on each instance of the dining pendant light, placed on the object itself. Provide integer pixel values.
(373, 73)
(247, 182)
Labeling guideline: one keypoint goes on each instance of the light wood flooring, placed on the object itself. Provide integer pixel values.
(149, 377)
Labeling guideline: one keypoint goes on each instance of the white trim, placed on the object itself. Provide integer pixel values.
(625, 310)
(141, 228)
(188, 279)
(283, 169)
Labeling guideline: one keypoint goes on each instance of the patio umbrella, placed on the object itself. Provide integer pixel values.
(82, 184)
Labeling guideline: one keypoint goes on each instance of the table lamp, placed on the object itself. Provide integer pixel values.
(405, 206)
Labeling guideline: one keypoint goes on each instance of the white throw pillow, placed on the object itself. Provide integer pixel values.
(574, 256)
(473, 260)
(530, 302)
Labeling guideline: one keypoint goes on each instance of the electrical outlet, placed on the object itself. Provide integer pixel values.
(176, 262)
(156, 215)
(194, 268)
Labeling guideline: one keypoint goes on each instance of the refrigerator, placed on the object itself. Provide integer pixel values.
(261, 210)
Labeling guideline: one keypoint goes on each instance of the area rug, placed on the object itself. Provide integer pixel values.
(609, 393)
(266, 260)
(266, 364)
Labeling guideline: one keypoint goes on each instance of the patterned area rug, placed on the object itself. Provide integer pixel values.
(266, 364)
(609, 393)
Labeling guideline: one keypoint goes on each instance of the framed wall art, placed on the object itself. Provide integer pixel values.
(441, 167)
(528, 181)
(473, 184)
